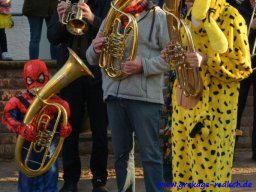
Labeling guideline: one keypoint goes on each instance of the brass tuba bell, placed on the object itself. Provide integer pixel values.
(73, 68)
(112, 55)
(73, 19)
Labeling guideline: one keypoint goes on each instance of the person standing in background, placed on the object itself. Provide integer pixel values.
(84, 91)
(204, 127)
(5, 23)
(246, 9)
(37, 11)
(134, 104)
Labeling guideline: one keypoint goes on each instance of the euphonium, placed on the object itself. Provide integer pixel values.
(113, 52)
(73, 19)
(188, 78)
(73, 68)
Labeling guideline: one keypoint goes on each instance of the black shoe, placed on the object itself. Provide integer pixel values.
(254, 156)
(100, 189)
(69, 187)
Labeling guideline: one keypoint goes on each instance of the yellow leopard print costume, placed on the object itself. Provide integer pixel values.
(204, 136)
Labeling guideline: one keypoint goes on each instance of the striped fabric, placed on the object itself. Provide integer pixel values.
(138, 8)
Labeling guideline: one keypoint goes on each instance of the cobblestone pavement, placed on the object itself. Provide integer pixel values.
(244, 170)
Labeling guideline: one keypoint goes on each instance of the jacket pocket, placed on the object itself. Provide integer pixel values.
(144, 83)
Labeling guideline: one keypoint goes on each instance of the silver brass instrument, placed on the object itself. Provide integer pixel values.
(73, 68)
(73, 18)
(188, 78)
(112, 54)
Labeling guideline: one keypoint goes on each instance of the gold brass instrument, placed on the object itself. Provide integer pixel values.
(188, 78)
(250, 28)
(73, 68)
(73, 18)
(113, 52)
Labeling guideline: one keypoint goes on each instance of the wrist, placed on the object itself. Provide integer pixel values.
(91, 20)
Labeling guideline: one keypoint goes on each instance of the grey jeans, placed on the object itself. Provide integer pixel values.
(129, 117)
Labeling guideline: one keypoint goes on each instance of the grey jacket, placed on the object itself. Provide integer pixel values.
(148, 85)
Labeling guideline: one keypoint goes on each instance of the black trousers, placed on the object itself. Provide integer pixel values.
(85, 90)
(243, 93)
(3, 41)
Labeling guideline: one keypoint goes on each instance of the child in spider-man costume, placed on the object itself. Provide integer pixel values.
(35, 76)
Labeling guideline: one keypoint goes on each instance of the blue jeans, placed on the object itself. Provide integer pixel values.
(42, 183)
(36, 24)
(129, 117)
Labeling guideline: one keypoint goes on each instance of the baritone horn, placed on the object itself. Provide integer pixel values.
(188, 78)
(113, 51)
(73, 18)
(73, 68)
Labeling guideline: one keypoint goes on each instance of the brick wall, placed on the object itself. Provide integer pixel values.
(11, 83)
(247, 122)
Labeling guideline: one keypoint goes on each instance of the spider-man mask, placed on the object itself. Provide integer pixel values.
(35, 75)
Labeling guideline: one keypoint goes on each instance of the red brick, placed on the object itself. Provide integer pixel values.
(14, 73)
(12, 84)
(8, 138)
(7, 151)
(6, 94)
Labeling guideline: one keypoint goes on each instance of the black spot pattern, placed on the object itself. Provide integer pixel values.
(209, 158)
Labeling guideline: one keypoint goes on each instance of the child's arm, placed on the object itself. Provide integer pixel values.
(10, 119)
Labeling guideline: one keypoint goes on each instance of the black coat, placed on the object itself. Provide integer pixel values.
(58, 35)
(41, 8)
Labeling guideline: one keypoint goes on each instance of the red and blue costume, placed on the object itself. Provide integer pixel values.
(35, 77)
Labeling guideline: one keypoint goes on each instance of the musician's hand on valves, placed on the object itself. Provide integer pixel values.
(65, 130)
(28, 132)
(97, 43)
(87, 13)
(133, 67)
(61, 9)
(170, 54)
(163, 55)
(196, 59)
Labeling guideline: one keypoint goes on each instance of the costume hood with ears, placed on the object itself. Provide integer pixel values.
(208, 11)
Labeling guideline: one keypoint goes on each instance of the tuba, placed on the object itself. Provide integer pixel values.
(113, 51)
(189, 81)
(73, 68)
(73, 19)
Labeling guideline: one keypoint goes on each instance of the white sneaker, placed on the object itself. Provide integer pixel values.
(6, 56)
